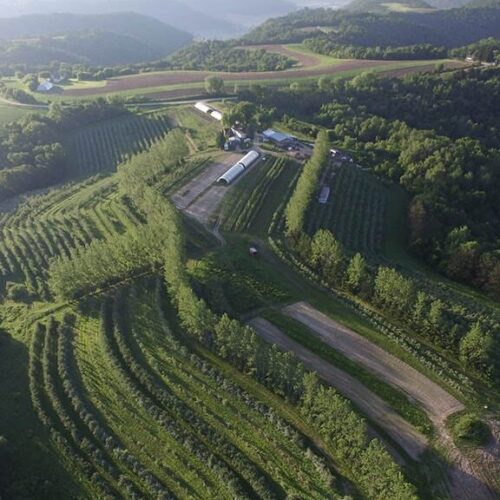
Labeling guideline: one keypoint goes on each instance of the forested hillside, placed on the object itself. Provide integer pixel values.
(382, 6)
(82, 48)
(117, 38)
(446, 28)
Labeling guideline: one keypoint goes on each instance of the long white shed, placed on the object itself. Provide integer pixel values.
(236, 170)
(204, 108)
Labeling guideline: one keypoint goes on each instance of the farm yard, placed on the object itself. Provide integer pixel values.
(201, 197)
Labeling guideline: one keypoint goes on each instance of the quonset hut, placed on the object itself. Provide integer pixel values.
(236, 170)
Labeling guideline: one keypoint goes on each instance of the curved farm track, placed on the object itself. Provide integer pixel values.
(471, 476)
(170, 78)
(407, 437)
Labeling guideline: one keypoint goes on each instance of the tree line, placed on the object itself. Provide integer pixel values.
(325, 46)
(307, 185)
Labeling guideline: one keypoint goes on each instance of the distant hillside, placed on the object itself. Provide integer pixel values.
(171, 12)
(385, 6)
(242, 12)
(82, 47)
(481, 4)
(446, 28)
(137, 29)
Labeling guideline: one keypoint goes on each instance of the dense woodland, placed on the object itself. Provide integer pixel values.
(487, 50)
(444, 151)
(324, 45)
(447, 28)
(226, 56)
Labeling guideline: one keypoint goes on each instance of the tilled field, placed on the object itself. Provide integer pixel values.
(412, 441)
(167, 78)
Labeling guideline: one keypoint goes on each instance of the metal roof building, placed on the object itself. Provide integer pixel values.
(232, 174)
(45, 86)
(217, 115)
(277, 137)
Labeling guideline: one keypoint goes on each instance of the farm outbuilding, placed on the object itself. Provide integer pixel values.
(236, 170)
(216, 115)
(232, 174)
(278, 138)
(204, 108)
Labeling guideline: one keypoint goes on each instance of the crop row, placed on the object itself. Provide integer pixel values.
(261, 428)
(208, 426)
(355, 211)
(26, 251)
(165, 409)
(248, 197)
(104, 146)
(85, 461)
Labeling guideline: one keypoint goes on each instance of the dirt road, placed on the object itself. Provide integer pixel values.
(201, 197)
(412, 441)
(438, 403)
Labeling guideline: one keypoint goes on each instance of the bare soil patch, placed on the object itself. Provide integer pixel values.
(375, 408)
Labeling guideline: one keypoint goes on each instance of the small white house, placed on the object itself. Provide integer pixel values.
(45, 86)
